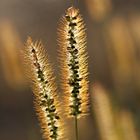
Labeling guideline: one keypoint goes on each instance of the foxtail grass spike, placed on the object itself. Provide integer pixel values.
(73, 58)
(46, 102)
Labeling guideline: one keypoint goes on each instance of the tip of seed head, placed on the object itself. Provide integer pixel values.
(72, 12)
(29, 40)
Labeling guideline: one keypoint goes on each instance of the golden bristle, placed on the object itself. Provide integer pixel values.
(73, 58)
(46, 102)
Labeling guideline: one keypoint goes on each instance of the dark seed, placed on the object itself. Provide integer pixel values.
(72, 47)
(75, 51)
(74, 18)
(33, 50)
(67, 18)
(72, 24)
(57, 117)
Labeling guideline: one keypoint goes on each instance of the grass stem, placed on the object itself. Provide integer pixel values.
(76, 128)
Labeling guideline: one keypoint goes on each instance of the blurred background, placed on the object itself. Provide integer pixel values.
(113, 30)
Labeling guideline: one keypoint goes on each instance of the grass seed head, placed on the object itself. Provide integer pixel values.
(73, 58)
(46, 103)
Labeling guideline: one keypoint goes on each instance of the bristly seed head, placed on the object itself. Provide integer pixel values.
(46, 104)
(72, 42)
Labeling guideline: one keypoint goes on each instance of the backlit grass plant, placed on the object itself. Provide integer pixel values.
(74, 68)
(46, 102)
(74, 72)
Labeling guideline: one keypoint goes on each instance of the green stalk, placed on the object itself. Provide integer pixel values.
(76, 128)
